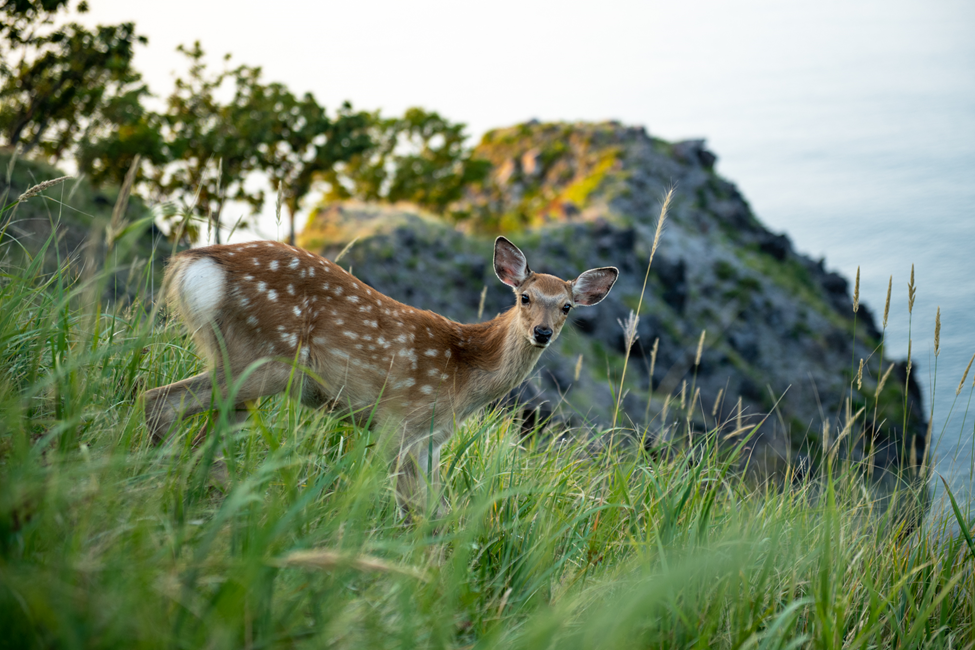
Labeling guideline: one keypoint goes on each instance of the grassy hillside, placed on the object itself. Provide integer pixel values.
(80, 217)
(108, 542)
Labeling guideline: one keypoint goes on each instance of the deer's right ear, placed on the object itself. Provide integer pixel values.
(510, 263)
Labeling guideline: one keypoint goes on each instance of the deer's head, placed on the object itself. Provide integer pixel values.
(544, 301)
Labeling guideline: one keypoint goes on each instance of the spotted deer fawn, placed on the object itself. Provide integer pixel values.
(416, 372)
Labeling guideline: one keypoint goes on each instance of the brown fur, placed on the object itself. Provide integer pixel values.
(420, 371)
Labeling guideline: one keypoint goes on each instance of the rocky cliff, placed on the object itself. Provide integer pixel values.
(779, 327)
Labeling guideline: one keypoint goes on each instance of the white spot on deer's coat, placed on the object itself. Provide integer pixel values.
(338, 290)
(383, 342)
(304, 354)
(273, 265)
(371, 323)
(272, 295)
(303, 273)
(290, 339)
(365, 308)
(248, 277)
(352, 299)
(339, 321)
(291, 289)
(447, 353)
(433, 372)
(202, 290)
(366, 337)
(293, 264)
(257, 262)
(351, 335)
(251, 320)
(244, 301)
(406, 383)
(319, 340)
(401, 338)
(311, 271)
(342, 354)
(426, 390)
(261, 286)
(297, 311)
(430, 353)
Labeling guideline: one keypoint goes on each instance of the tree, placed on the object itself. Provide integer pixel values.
(213, 147)
(305, 144)
(54, 83)
(107, 148)
(419, 157)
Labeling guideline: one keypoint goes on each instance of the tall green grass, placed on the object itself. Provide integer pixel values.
(550, 542)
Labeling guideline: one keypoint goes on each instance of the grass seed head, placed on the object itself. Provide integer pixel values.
(860, 376)
(856, 292)
(578, 368)
(700, 349)
(629, 329)
(911, 290)
(883, 380)
(717, 402)
(937, 332)
(890, 285)
(964, 377)
(34, 190)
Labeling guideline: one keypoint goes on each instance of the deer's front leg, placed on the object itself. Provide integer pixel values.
(418, 477)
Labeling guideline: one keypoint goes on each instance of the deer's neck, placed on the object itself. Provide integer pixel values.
(501, 357)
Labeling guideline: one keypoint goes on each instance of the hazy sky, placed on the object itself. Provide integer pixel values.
(680, 68)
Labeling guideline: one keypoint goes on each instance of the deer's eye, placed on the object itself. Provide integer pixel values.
(524, 299)
(566, 307)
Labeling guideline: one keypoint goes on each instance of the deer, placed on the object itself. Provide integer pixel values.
(416, 373)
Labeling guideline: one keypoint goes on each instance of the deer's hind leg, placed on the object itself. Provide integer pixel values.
(167, 404)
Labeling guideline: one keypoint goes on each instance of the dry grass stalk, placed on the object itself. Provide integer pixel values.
(694, 400)
(883, 380)
(845, 431)
(683, 396)
(911, 291)
(738, 415)
(326, 559)
(345, 250)
(34, 190)
(653, 357)
(578, 368)
(122, 203)
(860, 376)
(890, 285)
(480, 306)
(826, 435)
(856, 292)
(909, 362)
(700, 349)
(964, 377)
(717, 402)
(937, 332)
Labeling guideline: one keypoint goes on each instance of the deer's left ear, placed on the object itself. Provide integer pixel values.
(510, 263)
(594, 285)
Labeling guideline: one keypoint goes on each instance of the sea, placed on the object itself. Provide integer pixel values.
(859, 143)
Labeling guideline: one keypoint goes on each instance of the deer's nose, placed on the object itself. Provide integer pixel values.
(542, 334)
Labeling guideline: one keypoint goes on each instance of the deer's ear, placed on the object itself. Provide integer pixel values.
(510, 263)
(594, 285)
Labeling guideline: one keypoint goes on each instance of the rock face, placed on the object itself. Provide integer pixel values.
(779, 326)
